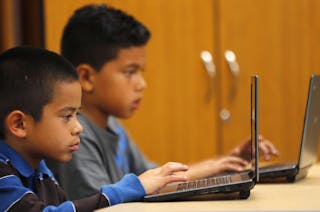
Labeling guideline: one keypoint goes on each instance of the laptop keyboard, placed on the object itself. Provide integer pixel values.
(204, 183)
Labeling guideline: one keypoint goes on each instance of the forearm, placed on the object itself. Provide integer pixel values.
(128, 189)
(201, 169)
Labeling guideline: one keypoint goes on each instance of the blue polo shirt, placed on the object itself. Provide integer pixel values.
(13, 189)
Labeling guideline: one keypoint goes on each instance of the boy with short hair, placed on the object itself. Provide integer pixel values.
(40, 98)
(108, 49)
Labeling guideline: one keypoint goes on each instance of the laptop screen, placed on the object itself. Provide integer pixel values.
(311, 130)
(254, 126)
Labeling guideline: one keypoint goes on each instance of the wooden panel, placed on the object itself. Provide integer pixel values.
(177, 121)
(7, 26)
(279, 40)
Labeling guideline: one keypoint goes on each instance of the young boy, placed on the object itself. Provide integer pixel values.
(40, 98)
(108, 49)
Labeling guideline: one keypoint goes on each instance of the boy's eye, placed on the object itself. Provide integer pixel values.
(67, 117)
(129, 73)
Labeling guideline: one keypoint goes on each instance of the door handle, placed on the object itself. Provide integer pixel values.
(209, 65)
(231, 59)
(232, 62)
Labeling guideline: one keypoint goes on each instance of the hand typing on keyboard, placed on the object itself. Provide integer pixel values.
(215, 166)
(266, 149)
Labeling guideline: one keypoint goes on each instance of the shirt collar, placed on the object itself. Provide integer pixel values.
(23, 167)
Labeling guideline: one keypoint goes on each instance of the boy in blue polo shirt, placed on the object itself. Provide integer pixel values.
(40, 98)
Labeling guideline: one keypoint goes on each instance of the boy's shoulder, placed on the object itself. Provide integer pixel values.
(6, 169)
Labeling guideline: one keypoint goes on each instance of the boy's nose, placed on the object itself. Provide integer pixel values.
(77, 128)
(142, 84)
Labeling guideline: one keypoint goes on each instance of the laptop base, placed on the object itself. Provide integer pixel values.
(241, 191)
(278, 173)
(205, 197)
(218, 196)
(288, 175)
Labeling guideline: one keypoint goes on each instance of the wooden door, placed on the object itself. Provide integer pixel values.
(177, 121)
(180, 118)
(279, 41)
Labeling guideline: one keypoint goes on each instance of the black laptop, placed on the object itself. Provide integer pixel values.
(235, 185)
(290, 172)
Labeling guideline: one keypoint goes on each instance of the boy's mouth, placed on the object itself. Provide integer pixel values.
(75, 147)
(136, 104)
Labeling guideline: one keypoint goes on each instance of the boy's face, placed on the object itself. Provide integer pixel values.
(56, 135)
(119, 85)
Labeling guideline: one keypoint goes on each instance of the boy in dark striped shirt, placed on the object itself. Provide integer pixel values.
(40, 99)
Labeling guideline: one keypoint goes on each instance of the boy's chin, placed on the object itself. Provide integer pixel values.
(126, 115)
(64, 159)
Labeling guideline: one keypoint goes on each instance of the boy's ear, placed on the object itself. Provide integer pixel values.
(16, 123)
(86, 75)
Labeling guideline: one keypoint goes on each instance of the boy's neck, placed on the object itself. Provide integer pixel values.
(96, 116)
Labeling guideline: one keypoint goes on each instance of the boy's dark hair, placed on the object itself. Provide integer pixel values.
(95, 34)
(27, 79)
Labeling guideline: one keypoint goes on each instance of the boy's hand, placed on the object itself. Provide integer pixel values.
(266, 149)
(155, 179)
(214, 166)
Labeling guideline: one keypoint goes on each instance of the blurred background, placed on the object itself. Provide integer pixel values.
(200, 59)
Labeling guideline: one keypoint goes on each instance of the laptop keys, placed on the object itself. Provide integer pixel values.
(204, 183)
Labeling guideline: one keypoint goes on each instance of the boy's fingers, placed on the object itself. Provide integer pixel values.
(235, 167)
(237, 160)
(171, 167)
(269, 145)
(272, 148)
(267, 149)
(176, 178)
